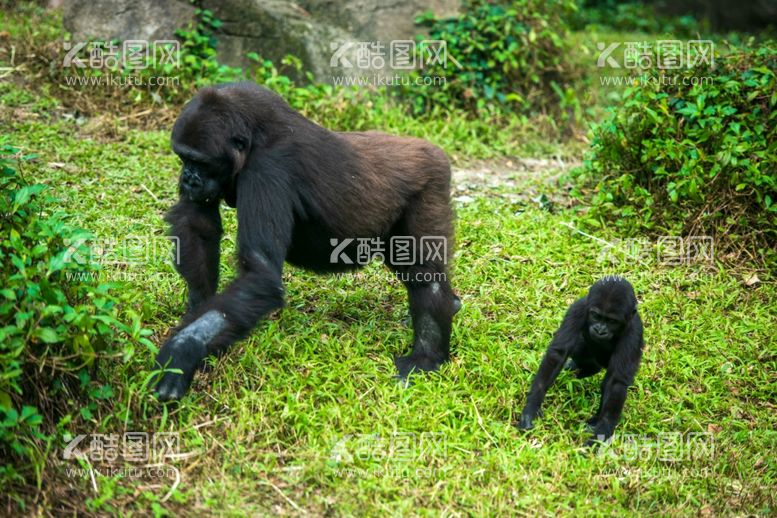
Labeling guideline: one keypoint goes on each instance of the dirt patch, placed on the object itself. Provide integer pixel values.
(524, 180)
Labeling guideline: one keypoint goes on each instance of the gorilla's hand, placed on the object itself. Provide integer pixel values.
(528, 415)
(186, 351)
(178, 353)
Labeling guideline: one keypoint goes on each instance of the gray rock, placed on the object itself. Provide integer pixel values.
(274, 29)
(312, 30)
(89, 20)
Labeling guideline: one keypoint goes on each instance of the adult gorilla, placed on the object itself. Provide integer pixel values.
(301, 191)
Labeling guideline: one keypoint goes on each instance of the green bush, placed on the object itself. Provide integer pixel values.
(510, 52)
(56, 320)
(693, 159)
(199, 63)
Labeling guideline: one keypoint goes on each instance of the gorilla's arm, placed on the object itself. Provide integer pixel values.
(621, 372)
(196, 231)
(564, 341)
(265, 224)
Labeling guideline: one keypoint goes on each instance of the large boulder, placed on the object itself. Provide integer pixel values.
(89, 20)
(273, 29)
(312, 30)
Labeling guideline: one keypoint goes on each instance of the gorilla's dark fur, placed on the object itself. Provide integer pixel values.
(600, 331)
(298, 188)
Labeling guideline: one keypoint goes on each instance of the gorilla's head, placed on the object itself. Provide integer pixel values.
(213, 140)
(611, 306)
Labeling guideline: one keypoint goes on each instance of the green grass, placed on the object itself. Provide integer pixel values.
(260, 431)
(261, 426)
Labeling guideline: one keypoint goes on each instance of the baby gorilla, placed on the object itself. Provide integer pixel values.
(601, 330)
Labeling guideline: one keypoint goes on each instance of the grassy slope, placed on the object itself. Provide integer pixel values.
(261, 426)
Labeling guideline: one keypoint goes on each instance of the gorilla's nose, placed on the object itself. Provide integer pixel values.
(191, 182)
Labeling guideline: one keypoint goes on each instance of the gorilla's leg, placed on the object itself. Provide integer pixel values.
(428, 221)
(219, 322)
(432, 306)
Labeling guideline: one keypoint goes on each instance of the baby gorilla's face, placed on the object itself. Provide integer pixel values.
(602, 326)
(611, 304)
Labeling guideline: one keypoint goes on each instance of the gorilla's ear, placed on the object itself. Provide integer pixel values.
(210, 95)
(240, 143)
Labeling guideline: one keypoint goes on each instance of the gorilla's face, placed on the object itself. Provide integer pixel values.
(212, 148)
(603, 327)
(611, 305)
(199, 183)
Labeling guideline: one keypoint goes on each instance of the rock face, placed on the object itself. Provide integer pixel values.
(140, 20)
(273, 29)
(312, 30)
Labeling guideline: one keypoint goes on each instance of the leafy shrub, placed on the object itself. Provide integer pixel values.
(56, 320)
(510, 53)
(343, 108)
(198, 52)
(693, 159)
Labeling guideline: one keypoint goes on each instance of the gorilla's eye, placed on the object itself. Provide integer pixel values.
(239, 143)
